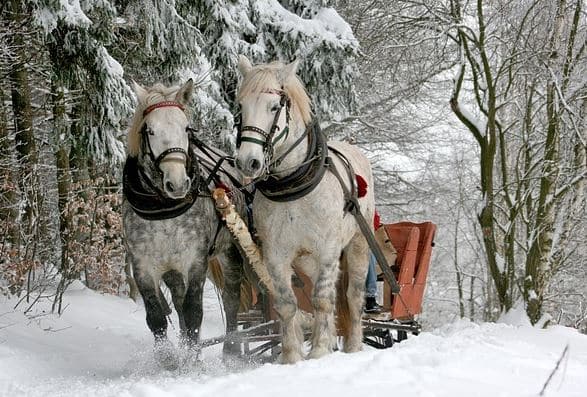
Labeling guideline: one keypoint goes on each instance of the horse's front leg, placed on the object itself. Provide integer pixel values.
(192, 303)
(233, 272)
(156, 320)
(286, 307)
(174, 281)
(323, 302)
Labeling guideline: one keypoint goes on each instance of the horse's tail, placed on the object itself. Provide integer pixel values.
(216, 274)
(343, 316)
(246, 301)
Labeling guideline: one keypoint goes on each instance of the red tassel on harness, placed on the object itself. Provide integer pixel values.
(361, 186)
(222, 186)
(376, 220)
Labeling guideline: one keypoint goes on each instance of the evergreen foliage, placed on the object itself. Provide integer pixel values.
(73, 62)
(174, 40)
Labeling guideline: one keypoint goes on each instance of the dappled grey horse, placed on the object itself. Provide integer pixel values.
(171, 231)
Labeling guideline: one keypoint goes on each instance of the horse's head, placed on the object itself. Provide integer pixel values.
(273, 103)
(159, 137)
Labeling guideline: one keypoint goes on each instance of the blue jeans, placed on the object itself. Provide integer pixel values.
(371, 281)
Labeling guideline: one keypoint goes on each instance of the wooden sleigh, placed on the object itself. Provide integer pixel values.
(259, 326)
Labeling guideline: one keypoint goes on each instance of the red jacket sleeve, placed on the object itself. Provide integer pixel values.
(376, 220)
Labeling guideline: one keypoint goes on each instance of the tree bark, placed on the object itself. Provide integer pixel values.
(539, 263)
(61, 131)
(8, 178)
(23, 114)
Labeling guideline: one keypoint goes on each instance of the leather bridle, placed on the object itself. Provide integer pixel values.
(146, 132)
(269, 138)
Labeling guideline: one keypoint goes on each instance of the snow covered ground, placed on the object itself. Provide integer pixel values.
(101, 346)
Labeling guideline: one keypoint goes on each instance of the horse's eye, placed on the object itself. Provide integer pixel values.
(149, 131)
(275, 108)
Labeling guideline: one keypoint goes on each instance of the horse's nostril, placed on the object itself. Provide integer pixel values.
(254, 164)
(238, 164)
(169, 186)
(186, 184)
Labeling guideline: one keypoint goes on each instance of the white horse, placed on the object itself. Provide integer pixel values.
(299, 206)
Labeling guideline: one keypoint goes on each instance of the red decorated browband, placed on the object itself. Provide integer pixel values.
(163, 104)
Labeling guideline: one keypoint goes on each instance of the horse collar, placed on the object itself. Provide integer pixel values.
(303, 180)
(147, 201)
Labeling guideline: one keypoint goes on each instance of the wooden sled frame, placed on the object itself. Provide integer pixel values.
(259, 328)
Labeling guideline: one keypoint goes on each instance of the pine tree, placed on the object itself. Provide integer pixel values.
(78, 35)
(323, 42)
(204, 38)
(265, 30)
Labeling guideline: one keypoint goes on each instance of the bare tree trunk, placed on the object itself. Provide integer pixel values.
(487, 144)
(78, 157)
(539, 262)
(8, 196)
(23, 115)
(61, 131)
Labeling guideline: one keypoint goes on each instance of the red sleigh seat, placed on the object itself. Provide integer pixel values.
(413, 242)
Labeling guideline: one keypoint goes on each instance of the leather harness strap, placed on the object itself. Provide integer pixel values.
(304, 179)
(352, 206)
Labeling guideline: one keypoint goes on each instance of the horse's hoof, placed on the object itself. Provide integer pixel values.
(166, 355)
(318, 353)
(291, 358)
(353, 348)
(236, 361)
(231, 349)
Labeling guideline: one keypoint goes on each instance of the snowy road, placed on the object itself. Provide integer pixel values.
(101, 347)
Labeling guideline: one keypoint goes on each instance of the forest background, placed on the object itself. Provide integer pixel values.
(472, 113)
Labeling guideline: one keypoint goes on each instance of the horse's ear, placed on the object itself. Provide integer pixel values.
(244, 65)
(184, 95)
(288, 71)
(139, 91)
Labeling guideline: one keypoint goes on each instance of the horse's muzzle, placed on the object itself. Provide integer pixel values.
(176, 186)
(250, 167)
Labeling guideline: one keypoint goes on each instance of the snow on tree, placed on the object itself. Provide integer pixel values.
(78, 34)
(518, 86)
(265, 31)
(171, 40)
(84, 56)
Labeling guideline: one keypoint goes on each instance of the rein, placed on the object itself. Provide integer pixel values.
(216, 165)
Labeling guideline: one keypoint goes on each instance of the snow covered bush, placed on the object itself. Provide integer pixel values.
(95, 252)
